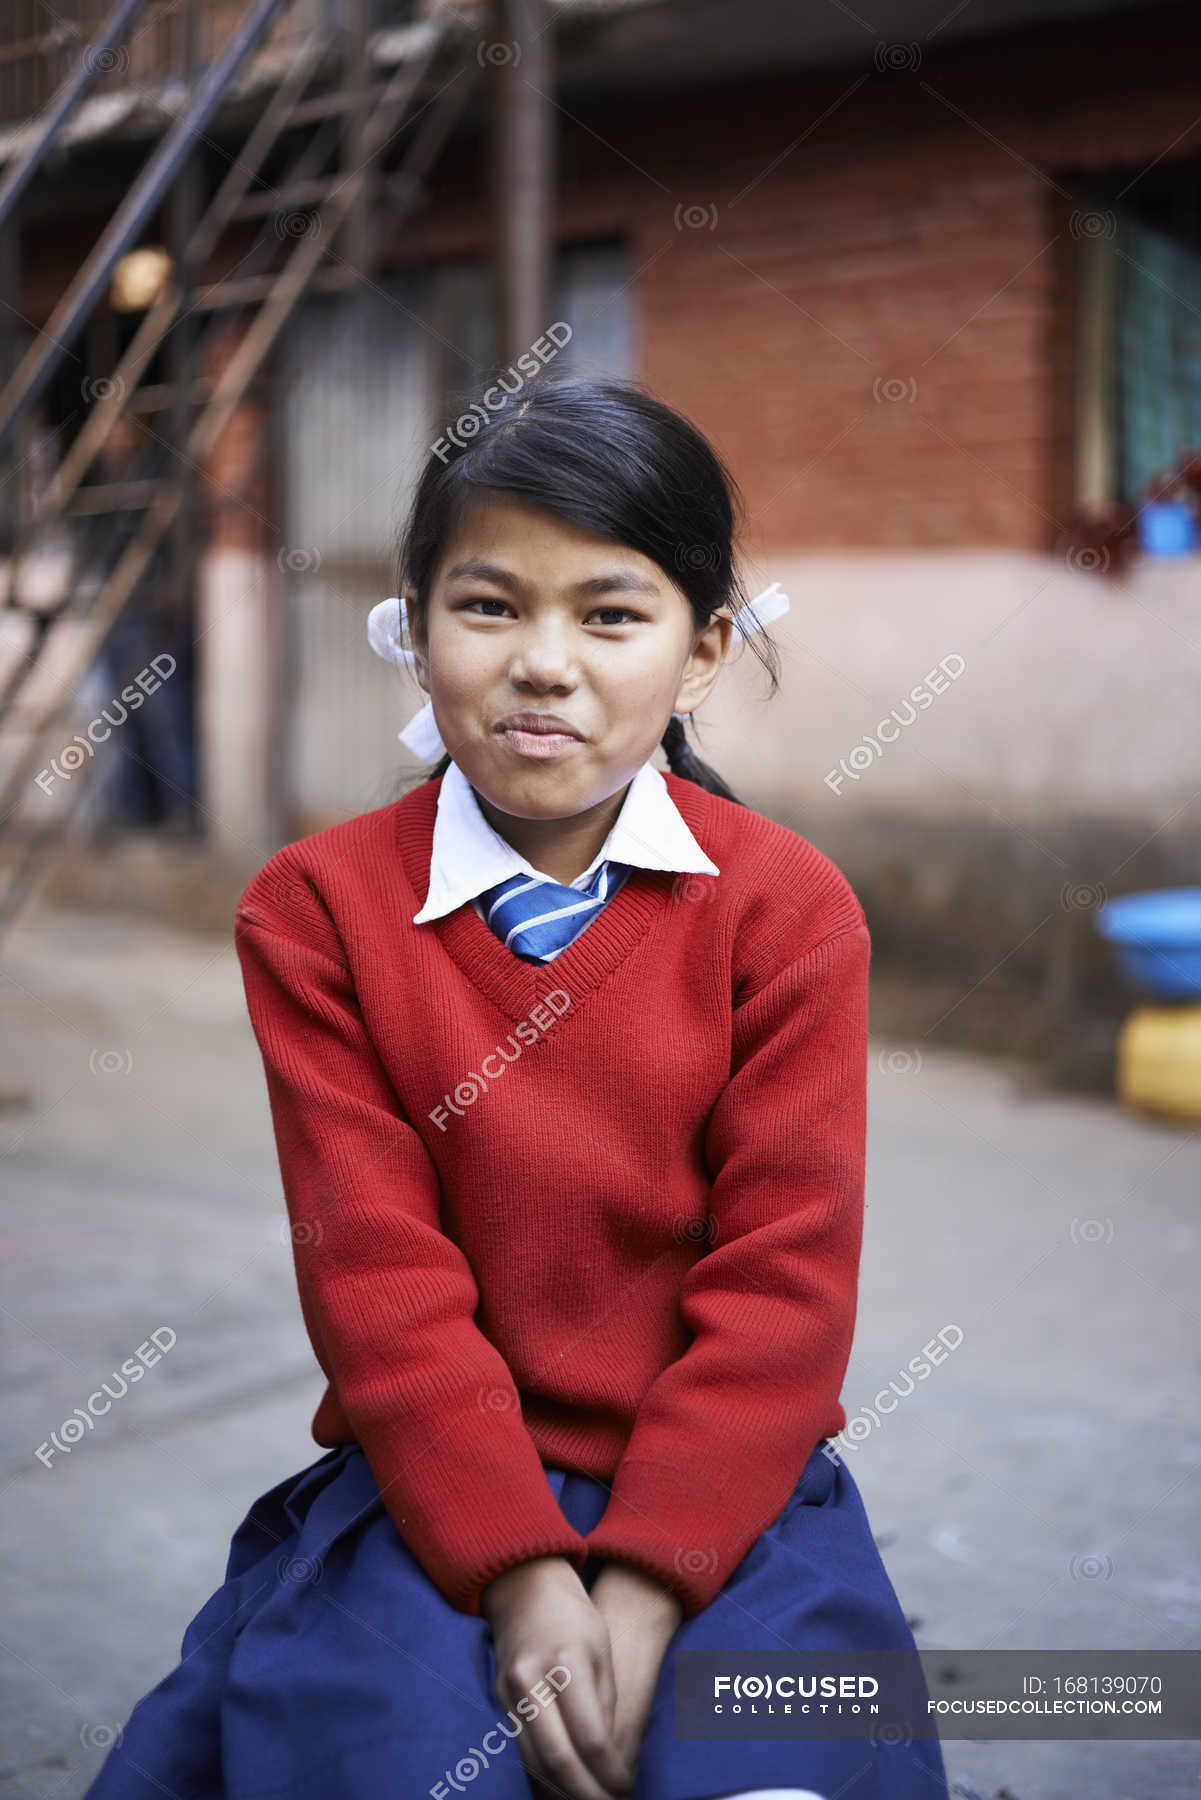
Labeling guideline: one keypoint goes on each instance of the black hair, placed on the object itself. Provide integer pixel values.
(609, 457)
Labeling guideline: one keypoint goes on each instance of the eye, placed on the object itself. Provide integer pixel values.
(608, 615)
(483, 600)
(624, 611)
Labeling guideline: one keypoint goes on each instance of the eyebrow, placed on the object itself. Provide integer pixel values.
(626, 581)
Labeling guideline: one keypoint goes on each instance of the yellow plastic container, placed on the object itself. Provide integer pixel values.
(1159, 1060)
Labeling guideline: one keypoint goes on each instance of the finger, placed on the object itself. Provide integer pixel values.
(631, 1728)
(552, 1758)
(589, 1708)
(634, 1679)
(606, 1687)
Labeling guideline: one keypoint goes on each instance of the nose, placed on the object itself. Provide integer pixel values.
(543, 657)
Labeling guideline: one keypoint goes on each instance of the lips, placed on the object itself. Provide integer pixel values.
(538, 736)
(538, 725)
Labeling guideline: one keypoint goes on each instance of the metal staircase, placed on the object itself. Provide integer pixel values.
(336, 127)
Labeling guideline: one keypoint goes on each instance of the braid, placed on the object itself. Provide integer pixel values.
(683, 761)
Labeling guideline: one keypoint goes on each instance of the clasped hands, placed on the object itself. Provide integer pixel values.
(612, 1641)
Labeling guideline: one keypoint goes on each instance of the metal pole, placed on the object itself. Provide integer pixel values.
(63, 104)
(155, 325)
(184, 208)
(437, 119)
(13, 333)
(65, 322)
(358, 231)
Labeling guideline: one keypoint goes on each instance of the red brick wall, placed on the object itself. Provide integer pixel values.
(861, 284)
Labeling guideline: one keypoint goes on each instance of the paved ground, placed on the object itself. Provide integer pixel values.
(1041, 1488)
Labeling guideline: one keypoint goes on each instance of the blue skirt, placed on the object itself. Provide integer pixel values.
(329, 1667)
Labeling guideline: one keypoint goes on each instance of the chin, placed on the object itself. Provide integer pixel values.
(534, 791)
(523, 800)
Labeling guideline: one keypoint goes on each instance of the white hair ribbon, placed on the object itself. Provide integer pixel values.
(387, 622)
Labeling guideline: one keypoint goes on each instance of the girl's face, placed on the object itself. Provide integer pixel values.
(529, 614)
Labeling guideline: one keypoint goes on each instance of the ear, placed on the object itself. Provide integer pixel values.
(709, 647)
(414, 637)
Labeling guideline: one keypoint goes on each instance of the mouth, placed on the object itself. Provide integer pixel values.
(537, 735)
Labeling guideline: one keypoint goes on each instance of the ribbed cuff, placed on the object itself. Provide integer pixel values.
(470, 1517)
(466, 1595)
(694, 1559)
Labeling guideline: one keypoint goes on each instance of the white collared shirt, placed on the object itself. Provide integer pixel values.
(468, 855)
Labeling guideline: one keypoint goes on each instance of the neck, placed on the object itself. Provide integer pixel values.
(560, 848)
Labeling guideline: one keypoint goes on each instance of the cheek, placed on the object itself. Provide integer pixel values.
(461, 670)
(635, 693)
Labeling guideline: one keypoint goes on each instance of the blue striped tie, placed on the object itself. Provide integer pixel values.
(537, 918)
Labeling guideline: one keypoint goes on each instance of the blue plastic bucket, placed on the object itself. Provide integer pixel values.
(1167, 528)
(1156, 938)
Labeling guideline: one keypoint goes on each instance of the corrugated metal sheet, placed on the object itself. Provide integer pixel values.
(363, 384)
(356, 426)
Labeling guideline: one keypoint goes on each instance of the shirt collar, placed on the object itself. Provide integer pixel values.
(468, 855)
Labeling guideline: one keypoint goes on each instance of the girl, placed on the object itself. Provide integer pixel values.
(566, 1059)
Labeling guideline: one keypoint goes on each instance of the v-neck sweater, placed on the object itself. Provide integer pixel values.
(602, 1214)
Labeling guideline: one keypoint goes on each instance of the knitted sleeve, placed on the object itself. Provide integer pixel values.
(722, 1435)
(388, 1299)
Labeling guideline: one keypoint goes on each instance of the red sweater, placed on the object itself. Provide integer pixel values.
(602, 1213)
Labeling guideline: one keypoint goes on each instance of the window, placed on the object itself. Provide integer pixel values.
(590, 293)
(1139, 390)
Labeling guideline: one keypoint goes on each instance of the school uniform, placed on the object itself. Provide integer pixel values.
(577, 1250)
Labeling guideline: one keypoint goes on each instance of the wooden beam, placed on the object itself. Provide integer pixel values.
(520, 64)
